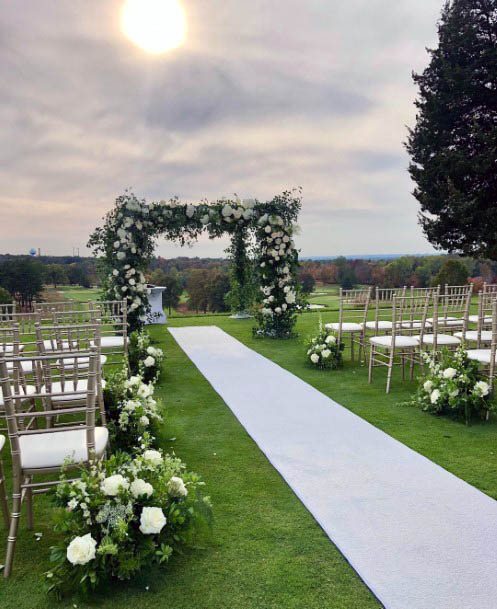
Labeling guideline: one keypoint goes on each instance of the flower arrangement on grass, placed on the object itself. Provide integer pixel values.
(454, 386)
(145, 359)
(121, 516)
(324, 351)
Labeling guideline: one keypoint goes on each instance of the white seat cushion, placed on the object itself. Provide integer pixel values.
(382, 325)
(2, 442)
(8, 348)
(26, 391)
(472, 336)
(441, 319)
(480, 355)
(442, 339)
(474, 319)
(27, 366)
(82, 362)
(400, 341)
(51, 345)
(415, 323)
(53, 448)
(70, 386)
(451, 323)
(109, 342)
(346, 327)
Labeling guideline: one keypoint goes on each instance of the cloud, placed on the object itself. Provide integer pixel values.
(264, 96)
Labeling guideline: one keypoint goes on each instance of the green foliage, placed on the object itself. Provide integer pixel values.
(23, 278)
(454, 386)
(5, 296)
(173, 284)
(55, 274)
(307, 282)
(453, 145)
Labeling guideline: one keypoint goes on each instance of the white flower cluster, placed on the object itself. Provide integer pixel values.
(321, 349)
(122, 491)
(139, 408)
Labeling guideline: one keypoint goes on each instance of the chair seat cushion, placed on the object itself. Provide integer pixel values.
(441, 319)
(480, 355)
(82, 363)
(400, 341)
(51, 345)
(415, 323)
(474, 319)
(381, 325)
(53, 448)
(26, 391)
(442, 339)
(472, 336)
(70, 387)
(2, 442)
(27, 366)
(8, 348)
(346, 327)
(109, 342)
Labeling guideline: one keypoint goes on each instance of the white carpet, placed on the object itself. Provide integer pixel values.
(419, 537)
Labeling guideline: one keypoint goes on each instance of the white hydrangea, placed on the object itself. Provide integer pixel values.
(176, 487)
(428, 386)
(330, 339)
(435, 396)
(149, 361)
(482, 389)
(153, 457)
(449, 373)
(314, 358)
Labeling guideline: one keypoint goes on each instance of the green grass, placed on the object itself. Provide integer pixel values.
(70, 292)
(265, 551)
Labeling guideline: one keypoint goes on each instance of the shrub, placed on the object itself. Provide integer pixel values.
(5, 297)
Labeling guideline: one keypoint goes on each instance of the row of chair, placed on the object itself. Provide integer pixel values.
(51, 398)
(397, 324)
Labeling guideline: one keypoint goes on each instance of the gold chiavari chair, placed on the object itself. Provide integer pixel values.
(113, 315)
(450, 313)
(382, 306)
(45, 450)
(64, 341)
(352, 317)
(402, 345)
(487, 357)
(4, 505)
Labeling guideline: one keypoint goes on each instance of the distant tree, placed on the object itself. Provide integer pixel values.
(77, 275)
(453, 272)
(173, 283)
(196, 286)
(23, 278)
(56, 274)
(453, 145)
(218, 287)
(477, 284)
(399, 271)
(328, 273)
(345, 273)
(5, 297)
(307, 282)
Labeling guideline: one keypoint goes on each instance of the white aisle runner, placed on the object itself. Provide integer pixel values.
(418, 536)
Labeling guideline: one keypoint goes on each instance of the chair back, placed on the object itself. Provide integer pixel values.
(409, 314)
(113, 315)
(353, 307)
(382, 303)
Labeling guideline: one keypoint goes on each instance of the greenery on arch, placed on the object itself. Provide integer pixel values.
(126, 240)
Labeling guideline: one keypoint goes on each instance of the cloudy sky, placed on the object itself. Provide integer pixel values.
(264, 95)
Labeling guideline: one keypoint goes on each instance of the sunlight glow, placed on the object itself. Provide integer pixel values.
(156, 26)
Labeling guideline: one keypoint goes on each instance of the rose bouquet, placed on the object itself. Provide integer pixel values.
(123, 515)
(454, 386)
(324, 351)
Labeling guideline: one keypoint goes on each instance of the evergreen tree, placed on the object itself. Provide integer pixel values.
(454, 143)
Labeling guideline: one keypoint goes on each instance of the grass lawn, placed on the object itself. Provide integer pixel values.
(265, 551)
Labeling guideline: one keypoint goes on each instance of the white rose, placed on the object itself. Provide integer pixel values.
(435, 396)
(326, 353)
(149, 361)
(140, 488)
(120, 255)
(145, 391)
(176, 487)
(144, 420)
(277, 310)
(330, 339)
(482, 389)
(205, 219)
(290, 297)
(152, 520)
(314, 358)
(267, 229)
(81, 550)
(227, 211)
(113, 484)
(115, 272)
(153, 457)
(449, 373)
(190, 210)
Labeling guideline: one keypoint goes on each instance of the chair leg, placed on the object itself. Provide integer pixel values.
(3, 498)
(390, 370)
(352, 346)
(14, 525)
(29, 507)
(371, 358)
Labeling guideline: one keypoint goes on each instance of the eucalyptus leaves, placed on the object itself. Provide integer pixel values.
(126, 244)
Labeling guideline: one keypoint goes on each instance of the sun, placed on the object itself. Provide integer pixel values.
(156, 26)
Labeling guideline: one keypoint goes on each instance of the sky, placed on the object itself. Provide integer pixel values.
(264, 95)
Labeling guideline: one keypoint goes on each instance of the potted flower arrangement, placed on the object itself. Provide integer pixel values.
(324, 351)
(454, 386)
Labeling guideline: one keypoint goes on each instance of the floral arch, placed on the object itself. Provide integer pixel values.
(125, 246)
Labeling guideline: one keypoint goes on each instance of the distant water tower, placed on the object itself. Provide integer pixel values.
(32, 251)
